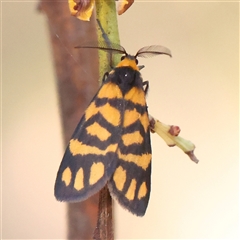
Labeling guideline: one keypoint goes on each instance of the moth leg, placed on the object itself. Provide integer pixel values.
(141, 67)
(146, 84)
(105, 76)
(111, 60)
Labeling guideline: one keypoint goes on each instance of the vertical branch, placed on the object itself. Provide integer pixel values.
(76, 79)
(107, 17)
(107, 31)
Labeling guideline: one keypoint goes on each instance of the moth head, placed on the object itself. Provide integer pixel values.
(128, 61)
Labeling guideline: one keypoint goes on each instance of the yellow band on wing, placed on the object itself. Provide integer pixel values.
(142, 160)
(77, 147)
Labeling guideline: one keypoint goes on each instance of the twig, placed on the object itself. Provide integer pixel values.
(104, 229)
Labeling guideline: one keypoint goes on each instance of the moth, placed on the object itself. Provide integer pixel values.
(111, 144)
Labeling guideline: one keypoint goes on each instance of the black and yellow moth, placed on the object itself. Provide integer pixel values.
(111, 144)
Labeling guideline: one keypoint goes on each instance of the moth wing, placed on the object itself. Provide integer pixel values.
(130, 183)
(90, 157)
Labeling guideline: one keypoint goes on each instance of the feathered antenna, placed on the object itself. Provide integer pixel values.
(150, 51)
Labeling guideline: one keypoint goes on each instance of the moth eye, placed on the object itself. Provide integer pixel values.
(125, 75)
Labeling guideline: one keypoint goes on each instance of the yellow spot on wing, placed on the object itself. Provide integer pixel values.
(96, 172)
(97, 130)
(145, 121)
(91, 111)
(131, 190)
(110, 90)
(136, 95)
(140, 160)
(119, 178)
(131, 138)
(130, 116)
(142, 190)
(111, 114)
(77, 147)
(67, 176)
(78, 183)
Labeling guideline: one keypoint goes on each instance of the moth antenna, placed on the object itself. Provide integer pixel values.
(150, 51)
(115, 48)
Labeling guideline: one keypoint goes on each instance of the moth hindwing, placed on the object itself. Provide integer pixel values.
(111, 144)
